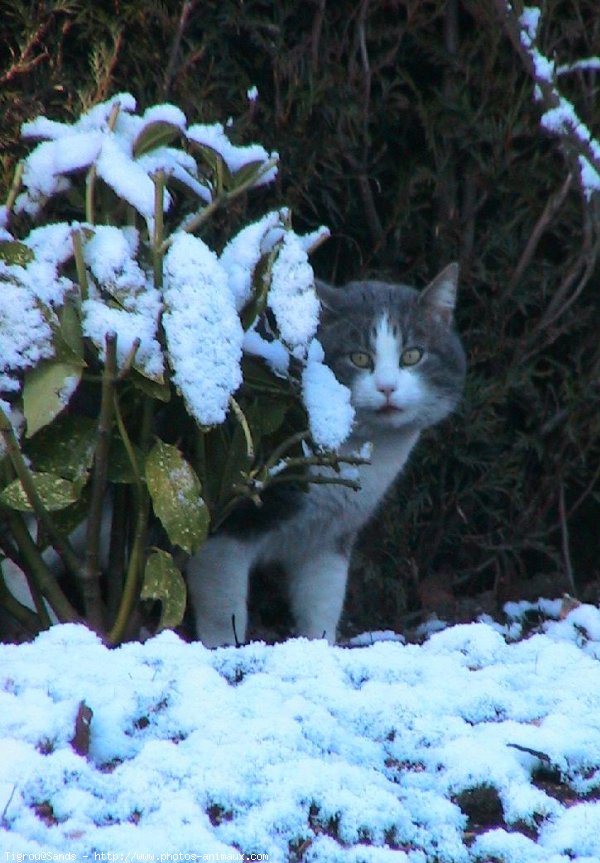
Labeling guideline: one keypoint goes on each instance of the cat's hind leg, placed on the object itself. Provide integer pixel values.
(217, 578)
(317, 586)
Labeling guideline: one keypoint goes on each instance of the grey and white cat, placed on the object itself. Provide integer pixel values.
(397, 351)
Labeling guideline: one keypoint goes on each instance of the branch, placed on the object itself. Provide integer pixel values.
(552, 207)
(186, 9)
(559, 117)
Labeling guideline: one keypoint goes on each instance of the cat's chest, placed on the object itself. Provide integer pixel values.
(349, 509)
(331, 515)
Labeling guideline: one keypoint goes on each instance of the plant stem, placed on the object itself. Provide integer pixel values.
(40, 572)
(241, 418)
(142, 507)
(24, 615)
(94, 607)
(159, 180)
(191, 225)
(14, 555)
(59, 542)
(14, 187)
(80, 262)
(116, 554)
(90, 180)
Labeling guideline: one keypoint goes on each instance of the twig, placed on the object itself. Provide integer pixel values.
(3, 819)
(241, 418)
(26, 61)
(283, 447)
(564, 532)
(572, 130)
(129, 359)
(552, 207)
(186, 9)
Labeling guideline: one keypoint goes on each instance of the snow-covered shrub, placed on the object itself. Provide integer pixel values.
(144, 375)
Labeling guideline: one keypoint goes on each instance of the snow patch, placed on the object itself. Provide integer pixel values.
(351, 754)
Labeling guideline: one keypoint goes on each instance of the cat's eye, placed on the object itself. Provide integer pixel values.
(411, 356)
(361, 359)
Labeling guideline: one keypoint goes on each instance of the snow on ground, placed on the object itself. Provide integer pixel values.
(302, 751)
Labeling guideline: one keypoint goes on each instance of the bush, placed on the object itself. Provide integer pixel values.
(124, 338)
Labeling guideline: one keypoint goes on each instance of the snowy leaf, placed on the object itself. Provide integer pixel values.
(292, 297)
(55, 492)
(241, 256)
(110, 255)
(156, 134)
(47, 390)
(330, 412)
(175, 492)
(203, 331)
(213, 138)
(126, 178)
(25, 334)
(164, 582)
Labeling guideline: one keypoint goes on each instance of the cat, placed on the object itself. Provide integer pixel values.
(397, 350)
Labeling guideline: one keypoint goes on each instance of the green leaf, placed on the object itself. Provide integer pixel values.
(261, 282)
(66, 447)
(175, 492)
(266, 415)
(55, 492)
(246, 173)
(152, 388)
(70, 331)
(160, 133)
(120, 469)
(164, 582)
(13, 252)
(46, 392)
(216, 162)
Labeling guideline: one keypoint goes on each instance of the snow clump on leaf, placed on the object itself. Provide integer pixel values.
(203, 330)
(137, 307)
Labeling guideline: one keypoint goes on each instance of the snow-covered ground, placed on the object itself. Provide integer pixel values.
(302, 751)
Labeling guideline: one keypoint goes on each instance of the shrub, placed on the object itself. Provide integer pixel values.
(145, 375)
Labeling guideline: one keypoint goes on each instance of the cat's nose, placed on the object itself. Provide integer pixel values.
(386, 389)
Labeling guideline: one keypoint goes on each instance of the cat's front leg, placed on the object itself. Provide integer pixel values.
(317, 590)
(217, 578)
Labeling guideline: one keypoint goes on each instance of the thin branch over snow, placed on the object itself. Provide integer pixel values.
(560, 117)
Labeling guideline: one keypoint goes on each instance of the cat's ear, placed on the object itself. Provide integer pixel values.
(329, 296)
(439, 297)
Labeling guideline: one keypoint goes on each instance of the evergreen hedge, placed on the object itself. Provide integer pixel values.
(410, 128)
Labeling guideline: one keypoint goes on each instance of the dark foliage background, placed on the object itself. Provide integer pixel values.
(408, 127)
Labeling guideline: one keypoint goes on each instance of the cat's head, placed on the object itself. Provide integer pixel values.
(396, 349)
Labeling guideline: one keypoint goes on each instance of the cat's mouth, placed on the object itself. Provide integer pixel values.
(389, 409)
